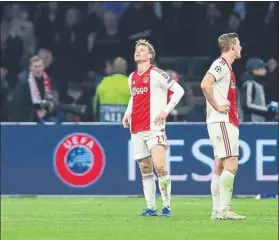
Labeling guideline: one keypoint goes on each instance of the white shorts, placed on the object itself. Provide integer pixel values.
(143, 142)
(224, 137)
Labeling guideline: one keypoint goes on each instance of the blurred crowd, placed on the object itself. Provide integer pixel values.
(81, 44)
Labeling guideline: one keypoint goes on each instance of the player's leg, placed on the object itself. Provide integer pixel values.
(214, 187)
(142, 154)
(226, 189)
(227, 151)
(157, 143)
(148, 182)
(159, 159)
(214, 132)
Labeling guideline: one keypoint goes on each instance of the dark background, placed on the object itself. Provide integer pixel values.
(82, 36)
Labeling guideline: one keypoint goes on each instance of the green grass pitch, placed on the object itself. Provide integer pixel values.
(115, 219)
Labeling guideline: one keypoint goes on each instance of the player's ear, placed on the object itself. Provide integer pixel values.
(150, 56)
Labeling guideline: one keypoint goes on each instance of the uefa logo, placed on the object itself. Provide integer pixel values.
(79, 160)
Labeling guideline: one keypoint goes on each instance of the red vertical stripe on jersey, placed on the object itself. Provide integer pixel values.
(233, 113)
(226, 139)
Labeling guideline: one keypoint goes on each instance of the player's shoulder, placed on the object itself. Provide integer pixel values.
(156, 69)
(219, 65)
(132, 74)
(159, 72)
(220, 61)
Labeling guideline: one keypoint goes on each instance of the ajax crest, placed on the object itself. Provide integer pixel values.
(79, 160)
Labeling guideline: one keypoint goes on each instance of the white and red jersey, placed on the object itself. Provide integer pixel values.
(149, 92)
(224, 90)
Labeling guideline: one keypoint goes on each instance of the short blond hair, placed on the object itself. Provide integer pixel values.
(225, 41)
(148, 45)
(35, 58)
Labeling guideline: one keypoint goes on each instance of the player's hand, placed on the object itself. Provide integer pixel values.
(161, 118)
(223, 108)
(42, 113)
(125, 121)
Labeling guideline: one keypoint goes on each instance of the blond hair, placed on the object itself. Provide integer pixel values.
(225, 41)
(148, 45)
(35, 58)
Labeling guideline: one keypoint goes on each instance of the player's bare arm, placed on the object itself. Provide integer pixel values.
(207, 88)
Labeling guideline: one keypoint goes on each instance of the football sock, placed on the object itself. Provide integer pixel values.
(215, 191)
(149, 190)
(165, 188)
(226, 188)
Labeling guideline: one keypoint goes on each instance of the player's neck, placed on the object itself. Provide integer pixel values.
(143, 66)
(228, 57)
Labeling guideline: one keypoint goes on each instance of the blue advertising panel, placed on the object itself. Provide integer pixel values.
(96, 159)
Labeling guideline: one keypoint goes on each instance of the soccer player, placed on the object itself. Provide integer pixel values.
(219, 88)
(146, 116)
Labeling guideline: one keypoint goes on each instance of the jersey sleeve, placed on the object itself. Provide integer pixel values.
(129, 107)
(130, 82)
(163, 78)
(218, 70)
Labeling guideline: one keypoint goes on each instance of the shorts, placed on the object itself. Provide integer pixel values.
(224, 137)
(143, 142)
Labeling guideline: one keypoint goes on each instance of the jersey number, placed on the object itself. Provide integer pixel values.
(161, 139)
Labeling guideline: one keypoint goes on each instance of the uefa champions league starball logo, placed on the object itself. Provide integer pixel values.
(79, 160)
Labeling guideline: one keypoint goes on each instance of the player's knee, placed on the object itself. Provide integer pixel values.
(218, 167)
(218, 170)
(159, 159)
(161, 170)
(145, 167)
(231, 164)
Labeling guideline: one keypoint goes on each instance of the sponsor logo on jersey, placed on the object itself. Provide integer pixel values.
(139, 91)
(79, 160)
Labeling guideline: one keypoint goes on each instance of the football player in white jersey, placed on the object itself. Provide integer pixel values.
(219, 88)
(146, 114)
